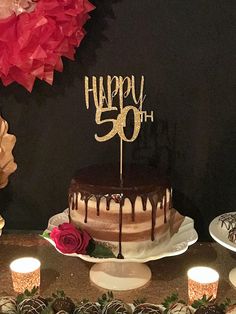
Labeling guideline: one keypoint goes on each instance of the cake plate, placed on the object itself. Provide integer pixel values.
(126, 274)
(220, 235)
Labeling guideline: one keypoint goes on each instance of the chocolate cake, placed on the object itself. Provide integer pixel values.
(131, 215)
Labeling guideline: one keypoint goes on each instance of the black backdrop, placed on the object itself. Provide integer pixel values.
(187, 52)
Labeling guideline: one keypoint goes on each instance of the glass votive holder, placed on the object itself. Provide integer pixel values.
(202, 281)
(25, 273)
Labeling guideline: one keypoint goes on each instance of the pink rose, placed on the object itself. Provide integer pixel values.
(69, 239)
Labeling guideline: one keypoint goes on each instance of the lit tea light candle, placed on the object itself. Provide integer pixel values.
(202, 280)
(25, 273)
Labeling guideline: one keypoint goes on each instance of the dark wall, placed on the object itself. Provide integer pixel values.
(186, 50)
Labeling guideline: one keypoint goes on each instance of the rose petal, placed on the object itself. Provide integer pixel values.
(82, 249)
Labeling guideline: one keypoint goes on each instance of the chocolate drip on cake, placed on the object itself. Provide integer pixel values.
(86, 210)
(153, 201)
(97, 182)
(120, 256)
(98, 199)
(165, 204)
(144, 201)
(108, 201)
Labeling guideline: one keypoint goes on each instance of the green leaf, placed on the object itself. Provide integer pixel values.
(225, 304)
(105, 298)
(59, 294)
(19, 298)
(204, 301)
(27, 294)
(100, 251)
(170, 300)
(46, 235)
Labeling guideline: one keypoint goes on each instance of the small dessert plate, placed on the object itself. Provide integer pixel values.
(220, 234)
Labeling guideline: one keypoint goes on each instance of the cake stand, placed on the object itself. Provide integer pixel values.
(220, 235)
(126, 274)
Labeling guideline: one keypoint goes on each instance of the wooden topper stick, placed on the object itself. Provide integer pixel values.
(121, 161)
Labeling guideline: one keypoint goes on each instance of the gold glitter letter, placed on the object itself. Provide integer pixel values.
(93, 90)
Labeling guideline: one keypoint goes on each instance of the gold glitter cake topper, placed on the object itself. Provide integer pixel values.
(110, 94)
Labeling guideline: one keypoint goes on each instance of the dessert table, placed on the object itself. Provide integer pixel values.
(71, 274)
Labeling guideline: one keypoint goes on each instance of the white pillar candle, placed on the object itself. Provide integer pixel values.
(25, 273)
(202, 281)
